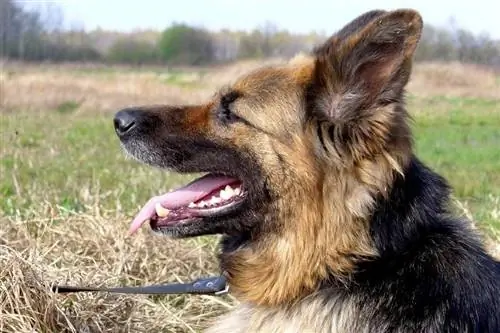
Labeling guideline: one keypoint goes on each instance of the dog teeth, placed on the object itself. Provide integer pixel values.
(161, 211)
(215, 200)
(229, 190)
(224, 194)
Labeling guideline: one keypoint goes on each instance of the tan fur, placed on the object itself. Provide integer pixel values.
(338, 229)
(323, 204)
(306, 221)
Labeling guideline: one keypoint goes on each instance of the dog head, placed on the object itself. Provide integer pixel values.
(294, 156)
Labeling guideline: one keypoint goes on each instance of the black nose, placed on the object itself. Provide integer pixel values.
(125, 121)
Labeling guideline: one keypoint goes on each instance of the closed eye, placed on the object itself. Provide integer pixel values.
(224, 113)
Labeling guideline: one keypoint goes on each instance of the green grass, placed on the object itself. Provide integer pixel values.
(68, 107)
(70, 161)
(181, 80)
(463, 144)
(75, 161)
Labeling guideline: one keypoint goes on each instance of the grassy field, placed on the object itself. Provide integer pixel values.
(67, 192)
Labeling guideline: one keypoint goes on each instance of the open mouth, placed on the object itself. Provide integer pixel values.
(209, 196)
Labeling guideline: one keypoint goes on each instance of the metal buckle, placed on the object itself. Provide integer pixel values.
(223, 292)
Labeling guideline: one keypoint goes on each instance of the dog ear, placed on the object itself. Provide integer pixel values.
(366, 64)
(358, 81)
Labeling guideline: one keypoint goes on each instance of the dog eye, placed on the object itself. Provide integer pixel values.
(224, 112)
(225, 115)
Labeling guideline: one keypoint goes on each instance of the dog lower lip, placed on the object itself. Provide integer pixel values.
(158, 223)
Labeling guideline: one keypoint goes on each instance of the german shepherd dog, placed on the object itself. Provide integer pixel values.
(330, 223)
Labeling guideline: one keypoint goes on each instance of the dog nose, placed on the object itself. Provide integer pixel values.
(125, 120)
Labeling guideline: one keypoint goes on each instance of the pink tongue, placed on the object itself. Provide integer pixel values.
(182, 197)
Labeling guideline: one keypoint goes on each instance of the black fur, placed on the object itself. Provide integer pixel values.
(433, 275)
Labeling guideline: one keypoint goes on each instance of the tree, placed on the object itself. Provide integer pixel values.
(33, 35)
(134, 52)
(181, 44)
(19, 30)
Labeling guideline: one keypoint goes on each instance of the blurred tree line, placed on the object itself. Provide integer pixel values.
(28, 35)
(36, 35)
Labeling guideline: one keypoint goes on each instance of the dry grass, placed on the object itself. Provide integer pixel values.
(97, 88)
(455, 80)
(102, 89)
(90, 249)
(96, 93)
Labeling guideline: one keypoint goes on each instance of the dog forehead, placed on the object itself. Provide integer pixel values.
(276, 92)
(296, 72)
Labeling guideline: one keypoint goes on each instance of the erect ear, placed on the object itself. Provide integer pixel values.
(366, 64)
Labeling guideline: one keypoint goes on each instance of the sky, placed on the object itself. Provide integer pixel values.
(296, 16)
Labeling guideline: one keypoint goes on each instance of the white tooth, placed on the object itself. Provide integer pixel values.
(161, 211)
(192, 205)
(237, 191)
(224, 194)
(214, 200)
(229, 190)
(202, 204)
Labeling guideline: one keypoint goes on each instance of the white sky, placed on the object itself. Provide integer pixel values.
(296, 16)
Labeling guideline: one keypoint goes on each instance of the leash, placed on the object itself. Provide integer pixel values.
(216, 285)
